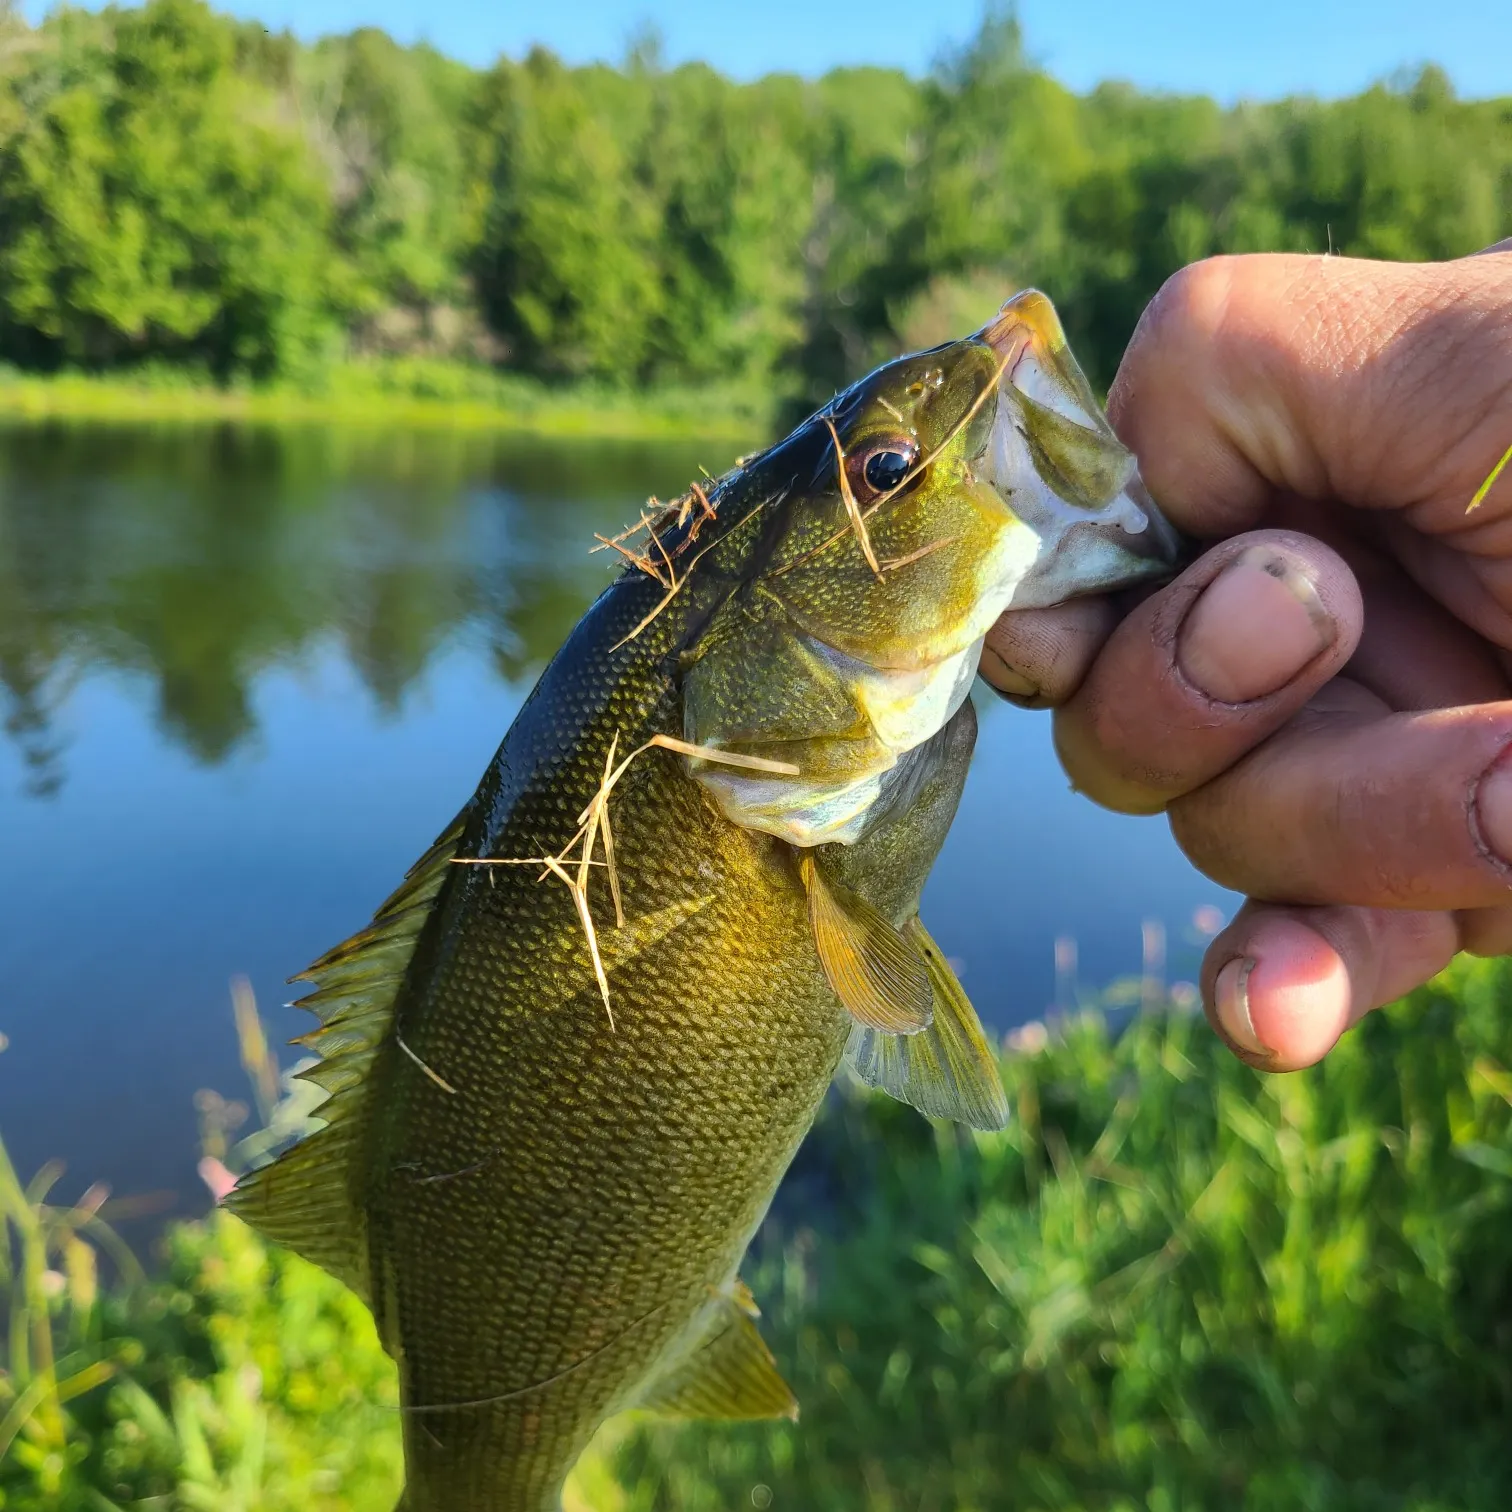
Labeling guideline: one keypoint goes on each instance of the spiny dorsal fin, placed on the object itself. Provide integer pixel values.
(728, 1373)
(948, 1071)
(303, 1199)
(879, 977)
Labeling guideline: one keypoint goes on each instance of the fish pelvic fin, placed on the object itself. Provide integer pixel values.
(305, 1198)
(728, 1373)
(947, 1071)
(878, 975)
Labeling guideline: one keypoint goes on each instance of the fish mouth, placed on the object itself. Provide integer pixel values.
(1061, 470)
(1067, 516)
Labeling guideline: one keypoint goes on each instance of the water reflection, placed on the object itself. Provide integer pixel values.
(197, 559)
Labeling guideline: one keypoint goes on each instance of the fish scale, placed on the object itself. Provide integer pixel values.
(544, 1195)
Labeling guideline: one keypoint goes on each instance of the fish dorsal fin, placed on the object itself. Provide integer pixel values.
(879, 977)
(304, 1199)
(728, 1373)
(948, 1071)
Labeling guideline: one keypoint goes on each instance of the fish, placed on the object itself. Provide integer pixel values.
(569, 1060)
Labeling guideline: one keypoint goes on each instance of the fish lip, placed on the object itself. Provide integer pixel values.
(1027, 322)
(1165, 547)
(1010, 333)
(1135, 542)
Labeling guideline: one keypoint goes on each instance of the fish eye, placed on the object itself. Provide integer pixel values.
(882, 467)
(886, 469)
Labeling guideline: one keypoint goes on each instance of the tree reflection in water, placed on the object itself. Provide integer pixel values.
(196, 558)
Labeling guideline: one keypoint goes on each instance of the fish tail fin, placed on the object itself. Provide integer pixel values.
(305, 1198)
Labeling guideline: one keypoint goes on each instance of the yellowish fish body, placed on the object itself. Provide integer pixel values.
(551, 1134)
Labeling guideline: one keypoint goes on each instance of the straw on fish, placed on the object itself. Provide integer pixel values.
(656, 518)
(674, 584)
(666, 574)
(852, 509)
(593, 822)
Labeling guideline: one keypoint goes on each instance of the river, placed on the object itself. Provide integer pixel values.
(246, 674)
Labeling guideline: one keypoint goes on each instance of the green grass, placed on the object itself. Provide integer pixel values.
(394, 391)
(1172, 1283)
(1490, 483)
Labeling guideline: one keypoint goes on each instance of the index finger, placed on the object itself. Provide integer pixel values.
(1380, 385)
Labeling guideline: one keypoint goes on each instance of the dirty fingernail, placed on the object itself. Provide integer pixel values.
(1231, 1000)
(1493, 808)
(1255, 627)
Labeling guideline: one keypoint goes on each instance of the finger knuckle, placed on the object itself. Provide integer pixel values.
(1192, 302)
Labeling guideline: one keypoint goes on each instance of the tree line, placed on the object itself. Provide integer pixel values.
(183, 188)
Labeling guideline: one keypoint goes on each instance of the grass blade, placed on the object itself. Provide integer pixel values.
(1490, 483)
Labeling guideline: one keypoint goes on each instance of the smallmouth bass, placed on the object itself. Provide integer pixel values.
(570, 1059)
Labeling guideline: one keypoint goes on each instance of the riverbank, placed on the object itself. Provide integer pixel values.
(396, 392)
(1170, 1282)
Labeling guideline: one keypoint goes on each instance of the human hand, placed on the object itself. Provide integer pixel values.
(1322, 703)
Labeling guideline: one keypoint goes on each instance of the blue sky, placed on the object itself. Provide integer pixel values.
(1217, 47)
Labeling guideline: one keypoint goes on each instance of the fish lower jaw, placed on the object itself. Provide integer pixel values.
(905, 711)
(786, 807)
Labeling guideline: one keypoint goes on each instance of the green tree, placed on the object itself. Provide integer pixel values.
(388, 123)
(158, 201)
(864, 144)
(727, 173)
(1405, 172)
(181, 187)
(567, 268)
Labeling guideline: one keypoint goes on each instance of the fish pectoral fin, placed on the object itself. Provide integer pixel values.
(730, 1373)
(880, 977)
(948, 1071)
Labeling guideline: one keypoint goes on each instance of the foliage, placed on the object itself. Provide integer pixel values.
(156, 202)
(1171, 1283)
(418, 390)
(388, 124)
(57, 1351)
(237, 1380)
(176, 185)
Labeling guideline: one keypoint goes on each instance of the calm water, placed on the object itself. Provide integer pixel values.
(246, 675)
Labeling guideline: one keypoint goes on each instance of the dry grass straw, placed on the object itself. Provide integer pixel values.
(655, 518)
(852, 509)
(573, 864)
